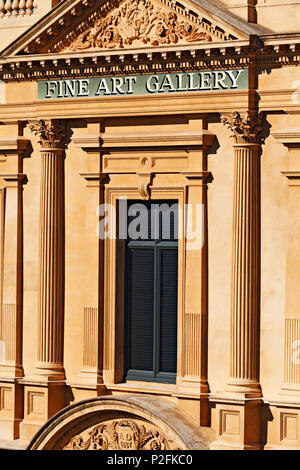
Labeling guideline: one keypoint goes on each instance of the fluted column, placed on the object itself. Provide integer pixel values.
(245, 288)
(53, 140)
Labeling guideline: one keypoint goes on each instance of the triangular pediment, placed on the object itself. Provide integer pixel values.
(90, 25)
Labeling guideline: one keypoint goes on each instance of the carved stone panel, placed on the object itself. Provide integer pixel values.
(122, 434)
(137, 23)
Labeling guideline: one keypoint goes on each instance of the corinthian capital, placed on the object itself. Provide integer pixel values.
(52, 134)
(246, 128)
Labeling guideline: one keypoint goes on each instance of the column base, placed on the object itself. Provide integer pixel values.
(89, 384)
(191, 390)
(90, 378)
(47, 373)
(11, 408)
(237, 388)
(291, 391)
(200, 386)
(11, 371)
(42, 401)
(239, 423)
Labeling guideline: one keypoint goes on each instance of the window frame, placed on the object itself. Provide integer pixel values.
(113, 371)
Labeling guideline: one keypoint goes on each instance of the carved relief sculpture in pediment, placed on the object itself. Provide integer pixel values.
(137, 23)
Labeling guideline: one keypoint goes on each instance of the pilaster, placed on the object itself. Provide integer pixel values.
(45, 390)
(195, 318)
(89, 381)
(287, 403)
(291, 139)
(243, 391)
(11, 291)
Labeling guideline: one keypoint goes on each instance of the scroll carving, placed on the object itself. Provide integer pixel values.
(52, 134)
(138, 22)
(246, 128)
(145, 181)
(125, 434)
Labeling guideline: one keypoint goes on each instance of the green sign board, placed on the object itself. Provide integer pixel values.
(132, 85)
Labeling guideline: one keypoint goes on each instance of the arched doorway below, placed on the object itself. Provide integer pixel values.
(125, 422)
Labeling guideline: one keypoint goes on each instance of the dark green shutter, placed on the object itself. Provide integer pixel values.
(140, 309)
(151, 306)
(168, 310)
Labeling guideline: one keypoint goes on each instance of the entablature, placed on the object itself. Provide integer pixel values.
(165, 58)
(212, 56)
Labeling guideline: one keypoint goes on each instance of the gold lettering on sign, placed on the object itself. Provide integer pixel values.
(138, 22)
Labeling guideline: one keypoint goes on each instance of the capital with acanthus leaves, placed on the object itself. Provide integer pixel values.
(247, 128)
(54, 133)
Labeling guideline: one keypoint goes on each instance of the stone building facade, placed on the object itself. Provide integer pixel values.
(111, 342)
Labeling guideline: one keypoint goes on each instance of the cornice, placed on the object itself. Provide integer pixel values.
(230, 54)
(288, 137)
(205, 56)
(190, 139)
(291, 175)
(279, 99)
(203, 139)
(13, 145)
(14, 179)
(94, 180)
(90, 142)
(279, 38)
(195, 177)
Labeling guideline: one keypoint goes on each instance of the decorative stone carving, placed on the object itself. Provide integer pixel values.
(52, 134)
(138, 22)
(247, 128)
(123, 434)
(145, 181)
